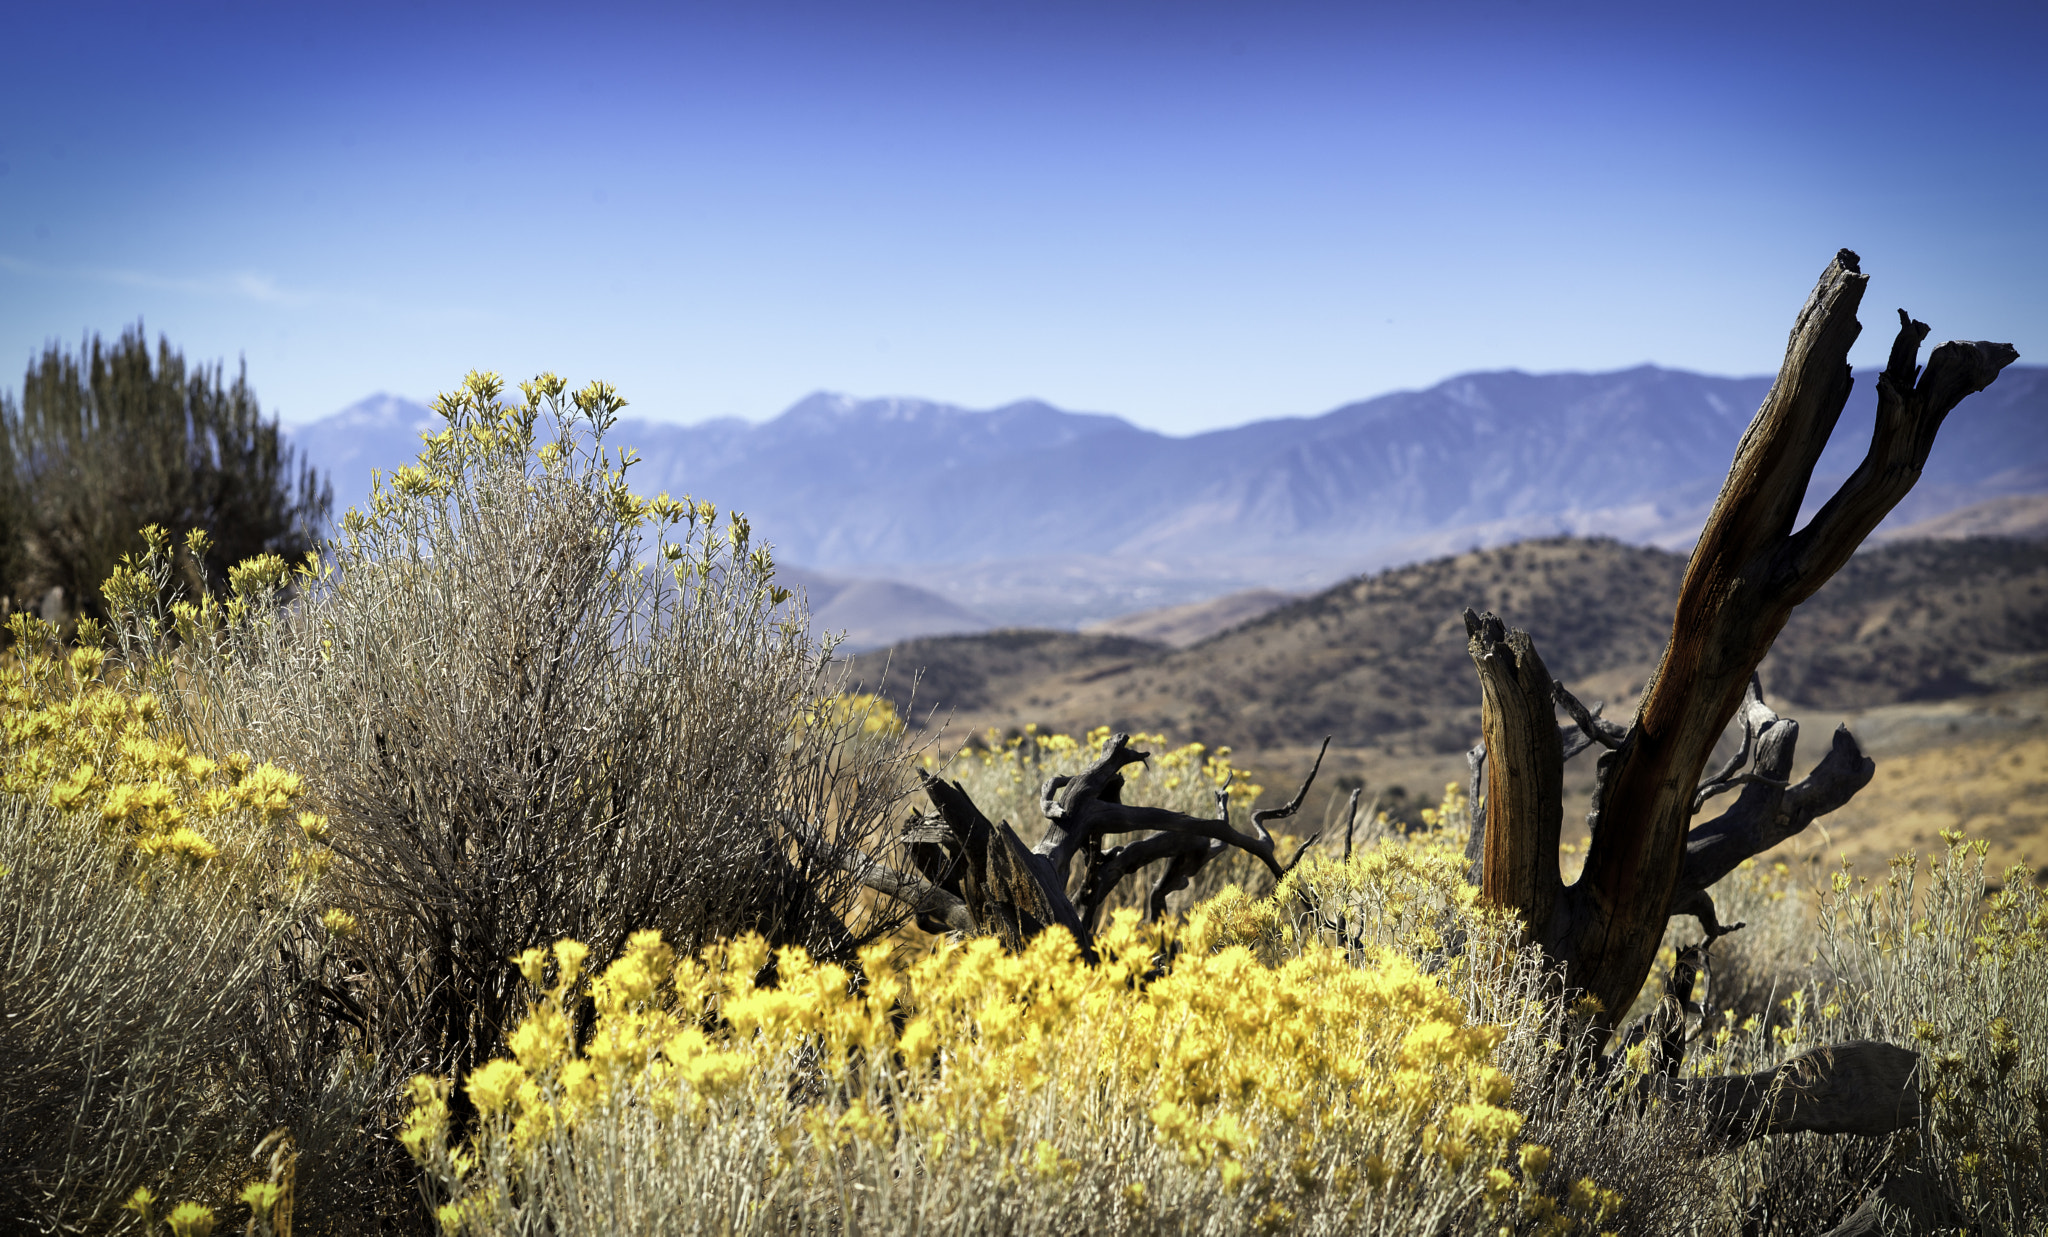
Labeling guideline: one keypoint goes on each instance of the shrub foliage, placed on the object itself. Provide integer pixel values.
(533, 705)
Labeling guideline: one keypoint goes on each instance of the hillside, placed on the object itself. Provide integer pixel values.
(1182, 626)
(2014, 515)
(995, 675)
(1919, 621)
(1380, 662)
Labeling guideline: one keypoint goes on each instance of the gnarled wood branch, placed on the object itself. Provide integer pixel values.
(936, 908)
(1009, 890)
(1748, 571)
(1524, 805)
(1770, 809)
(976, 876)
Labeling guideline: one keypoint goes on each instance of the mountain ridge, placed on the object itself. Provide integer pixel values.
(1031, 514)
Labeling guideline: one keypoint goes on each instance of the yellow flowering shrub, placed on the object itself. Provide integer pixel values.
(87, 747)
(1411, 895)
(1286, 1095)
(150, 884)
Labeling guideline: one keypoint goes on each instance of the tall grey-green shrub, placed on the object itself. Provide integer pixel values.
(534, 706)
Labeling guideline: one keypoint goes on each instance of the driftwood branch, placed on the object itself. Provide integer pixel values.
(1110, 818)
(1700, 905)
(1770, 808)
(1911, 405)
(1292, 806)
(1068, 801)
(1861, 1087)
(1188, 855)
(1588, 728)
(976, 876)
(934, 907)
(1009, 890)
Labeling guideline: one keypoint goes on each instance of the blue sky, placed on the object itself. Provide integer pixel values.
(1192, 215)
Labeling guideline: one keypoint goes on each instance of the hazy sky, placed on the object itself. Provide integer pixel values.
(1191, 215)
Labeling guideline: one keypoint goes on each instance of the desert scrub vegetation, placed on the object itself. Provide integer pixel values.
(144, 885)
(966, 1089)
(597, 849)
(512, 701)
(529, 705)
(1963, 977)
(1362, 1050)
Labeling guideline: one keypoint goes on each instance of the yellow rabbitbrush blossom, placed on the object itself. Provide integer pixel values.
(1409, 896)
(1281, 1084)
(876, 714)
(190, 1220)
(85, 746)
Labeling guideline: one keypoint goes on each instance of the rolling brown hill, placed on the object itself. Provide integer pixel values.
(1000, 678)
(1182, 626)
(1379, 662)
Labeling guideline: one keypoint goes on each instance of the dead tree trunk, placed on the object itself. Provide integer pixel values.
(1748, 572)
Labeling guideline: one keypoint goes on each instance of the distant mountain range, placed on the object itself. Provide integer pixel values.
(1029, 514)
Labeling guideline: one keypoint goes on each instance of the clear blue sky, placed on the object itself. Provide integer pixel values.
(1192, 215)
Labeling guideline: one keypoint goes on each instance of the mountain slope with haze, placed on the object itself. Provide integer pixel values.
(1031, 514)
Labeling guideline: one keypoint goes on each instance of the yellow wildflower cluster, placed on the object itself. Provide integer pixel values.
(865, 712)
(498, 444)
(1451, 813)
(1286, 1082)
(84, 745)
(1411, 896)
